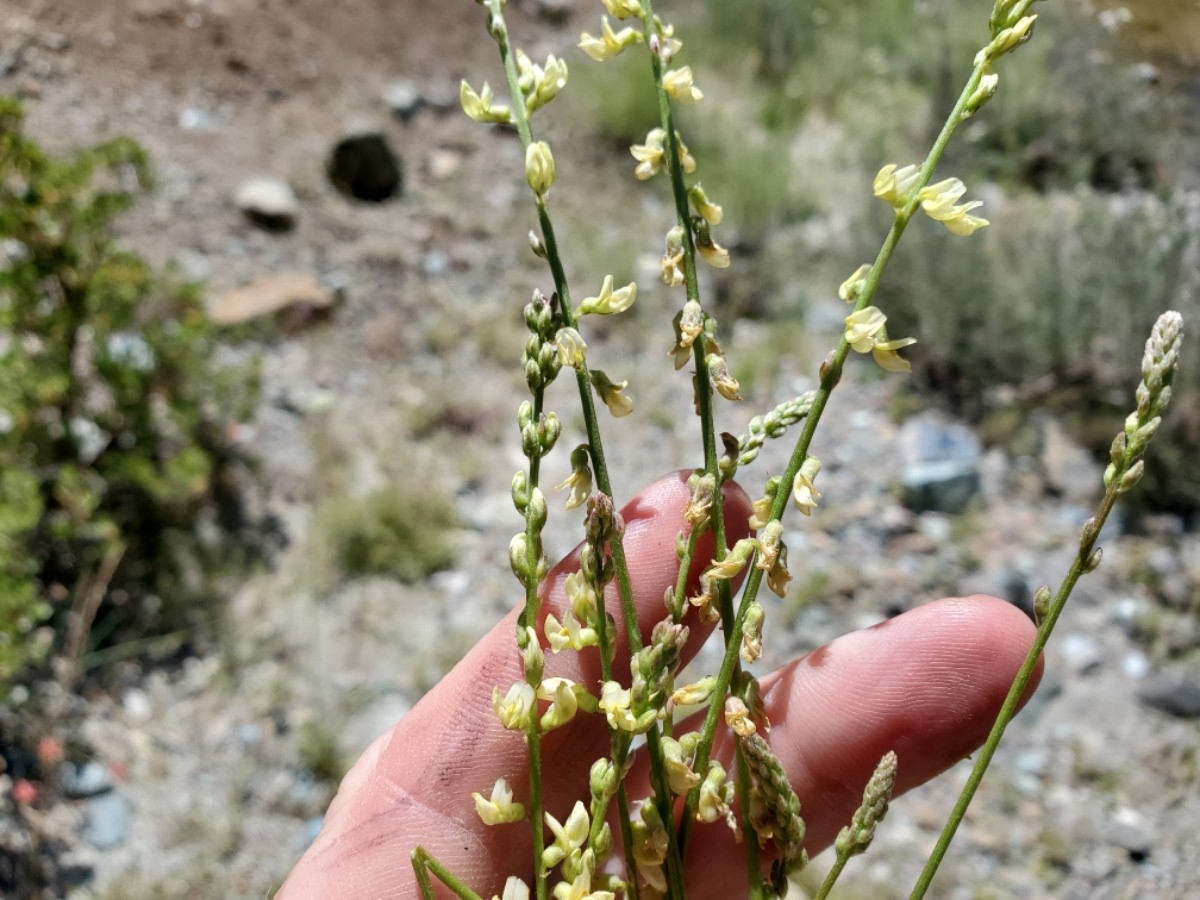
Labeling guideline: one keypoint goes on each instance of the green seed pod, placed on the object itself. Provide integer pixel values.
(520, 491)
(549, 431)
(537, 510)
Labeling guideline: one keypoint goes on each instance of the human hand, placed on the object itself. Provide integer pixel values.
(926, 684)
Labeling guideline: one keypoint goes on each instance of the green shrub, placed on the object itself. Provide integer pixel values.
(402, 531)
(111, 434)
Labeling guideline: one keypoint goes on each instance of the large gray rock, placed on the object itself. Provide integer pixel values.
(364, 167)
(939, 464)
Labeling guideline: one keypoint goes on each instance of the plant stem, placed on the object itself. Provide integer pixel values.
(423, 863)
(1009, 709)
(832, 877)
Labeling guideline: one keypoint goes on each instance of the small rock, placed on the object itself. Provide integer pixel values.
(1173, 693)
(1135, 665)
(1081, 652)
(363, 166)
(268, 202)
(107, 821)
(1132, 833)
(939, 464)
(137, 705)
(193, 118)
(294, 300)
(444, 163)
(88, 780)
(403, 98)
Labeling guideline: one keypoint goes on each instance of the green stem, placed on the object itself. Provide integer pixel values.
(599, 466)
(1009, 709)
(832, 877)
(704, 402)
(423, 864)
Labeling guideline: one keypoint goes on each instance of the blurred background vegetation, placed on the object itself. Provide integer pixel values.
(120, 507)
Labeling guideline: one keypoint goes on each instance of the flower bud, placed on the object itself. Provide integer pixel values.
(1041, 604)
(539, 167)
(520, 491)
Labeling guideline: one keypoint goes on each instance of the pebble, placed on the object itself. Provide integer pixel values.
(88, 780)
(107, 821)
(403, 98)
(137, 705)
(268, 202)
(1128, 830)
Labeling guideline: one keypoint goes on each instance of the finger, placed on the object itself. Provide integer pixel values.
(413, 785)
(927, 684)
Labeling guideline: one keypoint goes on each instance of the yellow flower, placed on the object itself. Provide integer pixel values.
(612, 393)
(580, 889)
(545, 82)
(718, 372)
(716, 795)
(887, 358)
(580, 483)
(650, 155)
(696, 693)
(500, 809)
(609, 302)
(680, 776)
(569, 634)
(892, 184)
(865, 332)
(679, 84)
(714, 254)
(709, 211)
(564, 702)
(623, 9)
(610, 43)
(614, 703)
(514, 889)
(479, 106)
(581, 596)
(737, 717)
(572, 351)
(804, 494)
(862, 326)
(569, 836)
(672, 259)
(940, 202)
(539, 167)
(516, 707)
(852, 287)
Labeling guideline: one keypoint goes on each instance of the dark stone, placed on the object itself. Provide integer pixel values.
(364, 167)
(1173, 694)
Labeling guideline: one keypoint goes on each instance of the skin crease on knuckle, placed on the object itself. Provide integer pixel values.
(931, 678)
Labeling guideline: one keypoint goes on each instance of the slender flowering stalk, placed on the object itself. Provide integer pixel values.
(1159, 364)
